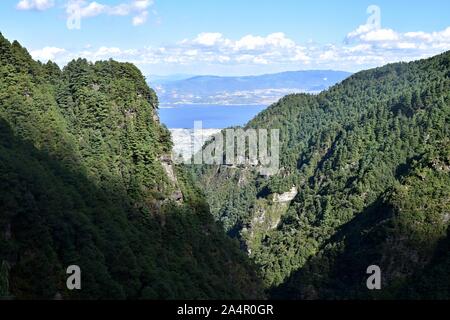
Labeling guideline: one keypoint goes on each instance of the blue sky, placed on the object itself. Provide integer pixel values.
(230, 37)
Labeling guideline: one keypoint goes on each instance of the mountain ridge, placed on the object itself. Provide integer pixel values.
(86, 179)
(346, 151)
(246, 89)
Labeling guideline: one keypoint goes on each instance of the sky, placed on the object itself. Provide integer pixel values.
(230, 37)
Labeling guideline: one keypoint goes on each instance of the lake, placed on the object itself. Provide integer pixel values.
(213, 116)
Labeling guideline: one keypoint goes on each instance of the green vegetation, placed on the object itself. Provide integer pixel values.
(85, 180)
(370, 160)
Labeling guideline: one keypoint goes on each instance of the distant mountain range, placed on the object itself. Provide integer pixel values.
(264, 89)
(156, 79)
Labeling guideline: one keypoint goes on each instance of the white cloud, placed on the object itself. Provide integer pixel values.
(277, 40)
(389, 39)
(137, 8)
(250, 42)
(140, 18)
(300, 55)
(142, 4)
(360, 48)
(208, 38)
(406, 45)
(47, 53)
(105, 51)
(260, 60)
(328, 55)
(371, 32)
(380, 35)
(436, 37)
(371, 45)
(40, 5)
(423, 36)
(248, 58)
(364, 48)
(191, 52)
(363, 29)
(92, 9)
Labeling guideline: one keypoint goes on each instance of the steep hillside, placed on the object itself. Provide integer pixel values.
(85, 179)
(364, 170)
(405, 232)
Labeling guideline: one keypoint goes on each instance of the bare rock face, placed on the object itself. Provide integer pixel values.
(177, 196)
(267, 215)
(446, 218)
(130, 113)
(168, 168)
(167, 164)
(156, 117)
(287, 196)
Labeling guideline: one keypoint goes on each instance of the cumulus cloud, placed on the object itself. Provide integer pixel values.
(137, 8)
(387, 38)
(208, 39)
(250, 49)
(277, 40)
(371, 32)
(40, 5)
(380, 35)
(371, 45)
(364, 48)
(48, 53)
(367, 46)
(140, 18)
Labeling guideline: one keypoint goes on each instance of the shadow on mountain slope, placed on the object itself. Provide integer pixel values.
(52, 216)
(406, 236)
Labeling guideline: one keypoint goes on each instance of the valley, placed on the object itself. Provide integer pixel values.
(357, 163)
(92, 176)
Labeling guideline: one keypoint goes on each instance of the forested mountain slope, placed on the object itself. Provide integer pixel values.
(367, 163)
(85, 179)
